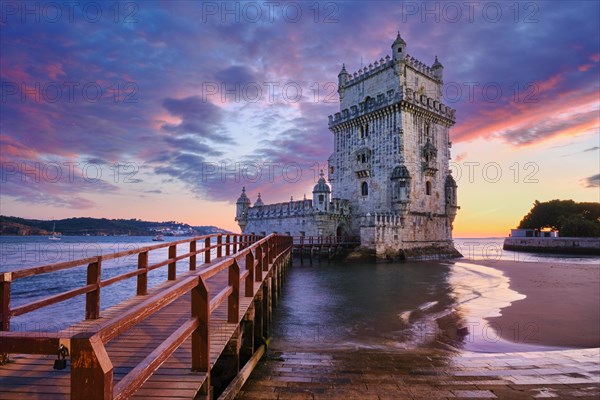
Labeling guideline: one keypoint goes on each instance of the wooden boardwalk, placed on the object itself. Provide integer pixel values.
(32, 376)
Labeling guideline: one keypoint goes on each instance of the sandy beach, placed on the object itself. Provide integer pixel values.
(562, 307)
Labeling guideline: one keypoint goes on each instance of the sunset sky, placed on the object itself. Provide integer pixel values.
(164, 110)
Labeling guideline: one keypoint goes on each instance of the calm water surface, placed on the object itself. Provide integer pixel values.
(324, 306)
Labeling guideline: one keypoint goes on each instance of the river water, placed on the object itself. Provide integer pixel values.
(324, 305)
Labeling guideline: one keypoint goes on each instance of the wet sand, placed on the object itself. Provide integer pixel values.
(562, 307)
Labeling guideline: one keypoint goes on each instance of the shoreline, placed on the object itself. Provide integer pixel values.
(561, 307)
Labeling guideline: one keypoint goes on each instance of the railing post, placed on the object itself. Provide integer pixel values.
(219, 244)
(249, 287)
(201, 336)
(233, 301)
(92, 299)
(172, 265)
(193, 256)
(142, 279)
(91, 368)
(258, 270)
(5, 300)
(227, 241)
(265, 263)
(207, 250)
(5, 308)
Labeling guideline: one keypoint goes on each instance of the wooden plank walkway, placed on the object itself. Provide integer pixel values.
(32, 376)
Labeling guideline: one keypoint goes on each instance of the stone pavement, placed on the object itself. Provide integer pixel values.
(426, 374)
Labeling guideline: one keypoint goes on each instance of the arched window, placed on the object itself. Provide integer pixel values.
(364, 189)
(428, 188)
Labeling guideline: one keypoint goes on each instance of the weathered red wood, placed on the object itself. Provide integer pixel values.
(249, 281)
(265, 258)
(227, 241)
(132, 316)
(91, 369)
(219, 246)
(172, 273)
(118, 278)
(201, 335)
(259, 262)
(92, 299)
(142, 279)
(193, 255)
(34, 305)
(233, 302)
(119, 322)
(5, 301)
(207, 250)
(220, 298)
(169, 261)
(23, 273)
(235, 240)
(29, 342)
(139, 374)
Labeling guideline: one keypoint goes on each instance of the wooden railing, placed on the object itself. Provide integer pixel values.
(224, 243)
(90, 362)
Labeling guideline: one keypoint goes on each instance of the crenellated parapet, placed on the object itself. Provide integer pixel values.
(420, 66)
(404, 96)
(301, 208)
(370, 70)
(384, 63)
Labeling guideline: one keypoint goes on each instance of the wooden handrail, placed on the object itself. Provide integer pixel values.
(92, 288)
(90, 361)
(46, 301)
(220, 298)
(141, 372)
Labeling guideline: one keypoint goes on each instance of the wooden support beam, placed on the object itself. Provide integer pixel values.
(172, 274)
(92, 299)
(201, 336)
(91, 369)
(233, 302)
(142, 279)
(193, 245)
(249, 283)
(207, 250)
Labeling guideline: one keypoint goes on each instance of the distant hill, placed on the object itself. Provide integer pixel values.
(101, 227)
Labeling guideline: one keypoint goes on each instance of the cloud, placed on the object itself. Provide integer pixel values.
(234, 75)
(592, 181)
(198, 117)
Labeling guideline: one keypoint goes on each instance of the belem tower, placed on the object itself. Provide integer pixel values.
(389, 177)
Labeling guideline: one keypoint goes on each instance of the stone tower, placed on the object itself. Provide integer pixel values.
(389, 172)
(391, 155)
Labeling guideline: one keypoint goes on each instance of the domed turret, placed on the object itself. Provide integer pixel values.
(242, 204)
(398, 48)
(321, 194)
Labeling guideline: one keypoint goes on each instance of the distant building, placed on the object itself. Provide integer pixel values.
(389, 172)
(519, 233)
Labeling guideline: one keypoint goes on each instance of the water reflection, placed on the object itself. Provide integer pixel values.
(362, 306)
(393, 306)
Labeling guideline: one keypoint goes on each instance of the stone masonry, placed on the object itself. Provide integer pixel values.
(389, 172)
